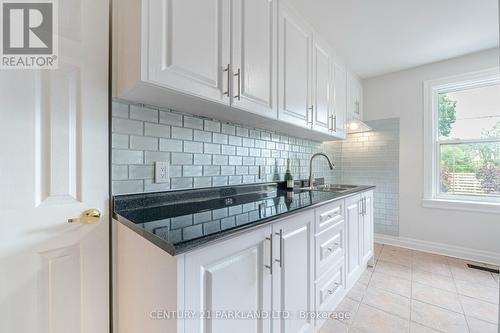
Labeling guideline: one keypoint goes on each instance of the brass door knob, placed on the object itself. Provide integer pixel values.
(88, 217)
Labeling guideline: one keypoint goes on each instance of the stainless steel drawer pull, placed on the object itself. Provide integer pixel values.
(331, 291)
(280, 260)
(227, 69)
(270, 266)
(238, 74)
(334, 247)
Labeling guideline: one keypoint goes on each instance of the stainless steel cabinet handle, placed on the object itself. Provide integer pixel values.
(227, 69)
(331, 291)
(270, 266)
(238, 74)
(335, 123)
(280, 260)
(334, 247)
(310, 117)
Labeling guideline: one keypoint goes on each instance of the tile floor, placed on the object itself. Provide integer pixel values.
(418, 292)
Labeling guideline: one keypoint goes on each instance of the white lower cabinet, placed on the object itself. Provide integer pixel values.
(300, 267)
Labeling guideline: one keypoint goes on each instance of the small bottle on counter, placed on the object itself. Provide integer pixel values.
(288, 176)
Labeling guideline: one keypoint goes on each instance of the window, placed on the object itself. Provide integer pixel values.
(462, 140)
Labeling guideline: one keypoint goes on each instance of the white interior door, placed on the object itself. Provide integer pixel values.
(53, 166)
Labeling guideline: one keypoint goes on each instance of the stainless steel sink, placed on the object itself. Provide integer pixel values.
(336, 188)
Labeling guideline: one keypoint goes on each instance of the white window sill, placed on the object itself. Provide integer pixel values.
(471, 206)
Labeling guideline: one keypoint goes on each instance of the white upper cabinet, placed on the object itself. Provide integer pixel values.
(355, 95)
(322, 87)
(254, 57)
(340, 98)
(252, 62)
(188, 43)
(294, 78)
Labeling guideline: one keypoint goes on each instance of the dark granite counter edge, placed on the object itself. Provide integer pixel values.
(214, 238)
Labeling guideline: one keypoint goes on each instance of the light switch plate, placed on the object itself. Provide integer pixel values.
(162, 172)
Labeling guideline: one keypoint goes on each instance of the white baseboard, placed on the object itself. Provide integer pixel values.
(439, 248)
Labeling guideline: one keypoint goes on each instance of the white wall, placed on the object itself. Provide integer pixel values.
(400, 94)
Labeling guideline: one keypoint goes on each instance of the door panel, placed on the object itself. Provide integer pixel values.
(293, 280)
(229, 277)
(353, 238)
(54, 165)
(340, 109)
(294, 69)
(254, 50)
(368, 228)
(322, 87)
(188, 45)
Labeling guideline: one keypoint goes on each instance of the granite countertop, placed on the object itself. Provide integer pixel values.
(180, 221)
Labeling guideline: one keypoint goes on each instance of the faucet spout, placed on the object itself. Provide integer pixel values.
(330, 165)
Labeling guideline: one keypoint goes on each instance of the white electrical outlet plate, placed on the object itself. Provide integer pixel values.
(162, 174)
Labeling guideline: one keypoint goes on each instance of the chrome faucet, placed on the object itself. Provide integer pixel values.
(330, 164)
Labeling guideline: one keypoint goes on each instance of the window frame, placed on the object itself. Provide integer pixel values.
(433, 198)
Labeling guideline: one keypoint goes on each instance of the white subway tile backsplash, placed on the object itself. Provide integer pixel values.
(181, 183)
(219, 138)
(171, 145)
(127, 186)
(212, 148)
(127, 157)
(181, 158)
(199, 182)
(202, 136)
(120, 110)
(156, 130)
(119, 141)
(193, 147)
(143, 143)
(212, 126)
(202, 159)
(194, 123)
(170, 118)
(141, 172)
(143, 113)
(181, 133)
(211, 170)
(228, 150)
(154, 156)
(219, 159)
(228, 129)
(126, 126)
(119, 172)
(192, 171)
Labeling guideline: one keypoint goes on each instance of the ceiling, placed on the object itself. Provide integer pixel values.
(376, 37)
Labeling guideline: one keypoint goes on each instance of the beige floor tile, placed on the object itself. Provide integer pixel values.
(438, 318)
(434, 280)
(350, 308)
(439, 297)
(429, 256)
(477, 290)
(391, 283)
(480, 326)
(333, 326)
(403, 259)
(480, 309)
(462, 272)
(387, 301)
(417, 328)
(372, 320)
(366, 276)
(357, 292)
(432, 267)
(393, 269)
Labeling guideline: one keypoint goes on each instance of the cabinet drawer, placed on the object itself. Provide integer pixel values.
(330, 288)
(329, 215)
(329, 247)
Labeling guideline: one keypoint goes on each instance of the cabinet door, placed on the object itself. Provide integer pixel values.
(229, 276)
(354, 91)
(340, 109)
(293, 275)
(294, 67)
(188, 46)
(254, 48)
(322, 87)
(368, 227)
(354, 233)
